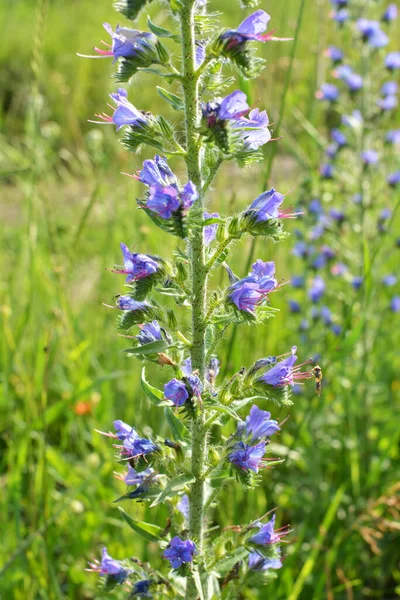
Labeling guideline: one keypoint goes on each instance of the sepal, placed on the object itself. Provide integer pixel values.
(130, 8)
(149, 53)
(241, 55)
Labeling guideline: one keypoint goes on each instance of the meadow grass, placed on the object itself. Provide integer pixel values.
(64, 209)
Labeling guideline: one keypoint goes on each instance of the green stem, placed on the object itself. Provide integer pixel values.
(190, 82)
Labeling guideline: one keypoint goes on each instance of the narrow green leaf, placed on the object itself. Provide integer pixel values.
(161, 32)
(151, 348)
(197, 580)
(178, 429)
(175, 485)
(153, 394)
(226, 564)
(226, 409)
(173, 100)
(150, 532)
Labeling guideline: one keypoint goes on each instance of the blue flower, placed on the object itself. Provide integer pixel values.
(317, 289)
(327, 171)
(128, 303)
(335, 54)
(328, 91)
(393, 136)
(341, 16)
(176, 391)
(247, 458)
(259, 424)
(336, 329)
(157, 172)
(232, 106)
(354, 82)
(210, 231)
(389, 88)
(179, 552)
(393, 179)
(150, 332)
(258, 562)
(357, 282)
(326, 315)
(141, 588)
(124, 113)
(354, 120)
(297, 281)
(266, 206)
(137, 266)
(284, 372)
(338, 137)
(249, 30)
(135, 447)
(371, 32)
(123, 430)
(110, 567)
(247, 293)
(389, 280)
(395, 304)
(390, 13)
(266, 534)
(183, 506)
(294, 306)
(392, 61)
(369, 157)
(388, 103)
(128, 43)
(254, 129)
(133, 477)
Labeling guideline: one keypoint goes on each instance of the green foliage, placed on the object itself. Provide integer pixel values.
(130, 8)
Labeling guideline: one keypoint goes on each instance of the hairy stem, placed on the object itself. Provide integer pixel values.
(198, 274)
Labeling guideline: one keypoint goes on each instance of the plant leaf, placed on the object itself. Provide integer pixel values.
(161, 32)
(151, 348)
(178, 429)
(153, 394)
(173, 100)
(175, 485)
(150, 532)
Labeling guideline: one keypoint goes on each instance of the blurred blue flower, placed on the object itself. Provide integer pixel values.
(388, 102)
(328, 91)
(395, 304)
(327, 171)
(149, 332)
(210, 231)
(393, 179)
(338, 137)
(334, 53)
(128, 303)
(297, 281)
(258, 562)
(317, 289)
(389, 280)
(393, 136)
(369, 157)
(390, 13)
(259, 424)
(357, 282)
(389, 88)
(336, 329)
(392, 61)
(341, 16)
(183, 506)
(294, 306)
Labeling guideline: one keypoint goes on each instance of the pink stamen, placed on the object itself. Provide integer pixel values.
(103, 52)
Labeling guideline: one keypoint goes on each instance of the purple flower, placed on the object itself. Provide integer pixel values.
(128, 303)
(128, 43)
(336, 329)
(385, 214)
(254, 129)
(294, 306)
(338, 137)
(302, 250)
(123, 430)
(157, 172)
(317, 289)
(337, 214)
(183, 506)
(150, 332)
(357, 282)
(188, 196)
(341, 16)
(335, 54)
(247, 457)
(212, 369)
(390, 13)
(246, 296)
(354, 82)
(326, 315)
(340, 3)
(266, 206)
(124, 113)
(392, 61)
(137, 266)
(297, 281)
(210, 231)
(354, 120)
(110, 567)
(315, 207)
(259, 424)
(327, 171)
(250, 30)
(369, 157)
(371, 32)
(176, 391)
(389, 88)
(233, 106)
(388, 103)
(342, 72)
(200, 53)
(393, 136)
(258, 562)
(389, 280)
(393, 179)
(134, 477)
(395, 304)
(180, 551)
(328, 252)
(141, 588)
(284, 372)
(135, 447)
(266, 534)
(328, 91)
(163, 201)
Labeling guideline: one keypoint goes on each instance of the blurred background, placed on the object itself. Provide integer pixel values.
(64, 209)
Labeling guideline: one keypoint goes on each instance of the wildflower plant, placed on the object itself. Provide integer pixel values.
(205, 453)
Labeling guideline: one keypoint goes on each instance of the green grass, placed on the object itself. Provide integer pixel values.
(64, 209)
